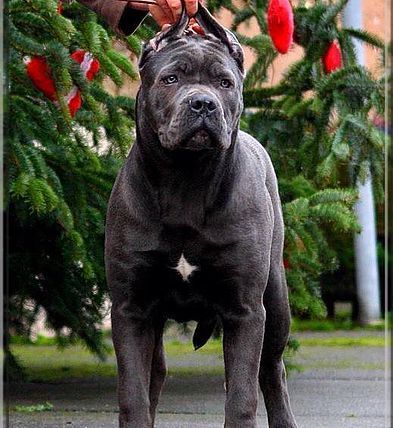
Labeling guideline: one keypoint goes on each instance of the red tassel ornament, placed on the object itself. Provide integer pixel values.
(60, 7)
(39, 73)
(74, 101)
(88, 64)
(332, 59)
(280, 24)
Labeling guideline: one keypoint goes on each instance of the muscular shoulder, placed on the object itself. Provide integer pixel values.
(247, 140)
(254, 150)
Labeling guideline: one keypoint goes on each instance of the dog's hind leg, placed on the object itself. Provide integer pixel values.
(158, 370)
(242, 343)
(272, 377)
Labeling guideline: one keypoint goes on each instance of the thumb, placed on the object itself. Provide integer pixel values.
(159, 16)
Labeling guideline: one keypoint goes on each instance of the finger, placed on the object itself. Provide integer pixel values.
(166, 9)
(191, 7)
(198, 29)
(159, 16)
(176, 8)
(166, 27)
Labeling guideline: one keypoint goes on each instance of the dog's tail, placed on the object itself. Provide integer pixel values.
(203, 331)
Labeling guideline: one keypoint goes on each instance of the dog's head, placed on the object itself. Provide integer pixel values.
(192, 85)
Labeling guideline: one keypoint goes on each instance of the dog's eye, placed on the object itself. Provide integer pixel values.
(169, 80)
(225, 83)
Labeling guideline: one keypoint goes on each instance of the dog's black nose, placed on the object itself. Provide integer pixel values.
(202, 104)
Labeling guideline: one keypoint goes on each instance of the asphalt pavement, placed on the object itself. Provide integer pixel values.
(336, 387)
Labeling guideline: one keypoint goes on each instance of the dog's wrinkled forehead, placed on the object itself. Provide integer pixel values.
(189, 51)
(216, 38)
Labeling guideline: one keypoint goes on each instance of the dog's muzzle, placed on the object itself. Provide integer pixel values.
(202, 104)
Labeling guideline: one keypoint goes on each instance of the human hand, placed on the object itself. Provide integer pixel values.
(166, 12)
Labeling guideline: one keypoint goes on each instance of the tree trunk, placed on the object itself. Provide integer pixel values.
(367, 281)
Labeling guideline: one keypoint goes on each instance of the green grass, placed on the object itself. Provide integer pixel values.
(343, 323)
(343, 341)
(44, 407)
(41, 340)
(196, 371)
(176, 347)
(49, 363)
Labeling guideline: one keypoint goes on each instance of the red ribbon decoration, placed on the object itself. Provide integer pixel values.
(332, 59)
(280, 24)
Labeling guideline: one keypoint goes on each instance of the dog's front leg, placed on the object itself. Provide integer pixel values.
(133, 340)
(243, 337)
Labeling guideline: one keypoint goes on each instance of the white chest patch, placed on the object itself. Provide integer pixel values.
(184, 268)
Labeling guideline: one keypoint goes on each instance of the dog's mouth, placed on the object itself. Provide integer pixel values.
(195, 135)
(201, 139)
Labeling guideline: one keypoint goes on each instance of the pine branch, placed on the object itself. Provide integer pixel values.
(256, 97)
(365, 37)
(332, 12)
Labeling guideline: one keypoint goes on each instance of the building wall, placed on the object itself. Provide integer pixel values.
(376, 19)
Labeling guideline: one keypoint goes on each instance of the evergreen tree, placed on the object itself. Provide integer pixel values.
(318, 130)
(60, 169)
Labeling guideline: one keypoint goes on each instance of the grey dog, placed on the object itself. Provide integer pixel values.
(195, 231)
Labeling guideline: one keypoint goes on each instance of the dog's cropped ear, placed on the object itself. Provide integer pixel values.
(211, 26)
(164, 37)
(146, 51)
